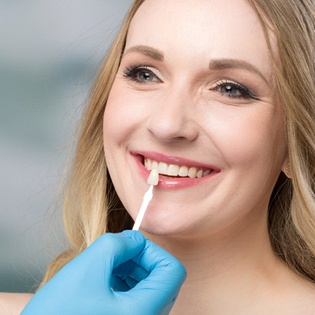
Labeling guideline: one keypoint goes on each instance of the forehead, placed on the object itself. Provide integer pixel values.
(212, 28)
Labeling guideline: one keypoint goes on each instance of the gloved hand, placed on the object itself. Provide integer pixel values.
(119, 274)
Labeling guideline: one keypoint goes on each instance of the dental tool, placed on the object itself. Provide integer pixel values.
(153, 180)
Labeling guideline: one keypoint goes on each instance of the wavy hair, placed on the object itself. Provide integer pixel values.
(292, 206)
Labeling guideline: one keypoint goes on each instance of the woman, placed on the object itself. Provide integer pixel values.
(220, 97)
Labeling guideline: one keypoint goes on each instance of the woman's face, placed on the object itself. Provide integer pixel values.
(193, 95)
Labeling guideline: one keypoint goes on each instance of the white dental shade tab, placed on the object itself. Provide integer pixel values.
(153, 180)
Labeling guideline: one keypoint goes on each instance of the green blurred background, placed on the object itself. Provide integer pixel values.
(50, 51)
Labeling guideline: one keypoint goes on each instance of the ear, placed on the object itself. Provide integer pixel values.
(286, 168)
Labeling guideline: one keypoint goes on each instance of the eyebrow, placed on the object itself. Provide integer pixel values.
(216, 64)
(147, 51)
(222, 64)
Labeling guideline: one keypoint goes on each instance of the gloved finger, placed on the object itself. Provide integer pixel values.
(118, 248)
(166, 275)
(127, 275)
(131, 272)
(115, 248)
(160, 264)
(101, 257)
(119, 285)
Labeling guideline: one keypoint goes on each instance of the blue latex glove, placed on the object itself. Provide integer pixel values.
(118, 274)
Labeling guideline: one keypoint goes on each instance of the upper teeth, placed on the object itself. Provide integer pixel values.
(175, 170)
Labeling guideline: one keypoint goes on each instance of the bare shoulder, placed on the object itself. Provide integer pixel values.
(13, 303)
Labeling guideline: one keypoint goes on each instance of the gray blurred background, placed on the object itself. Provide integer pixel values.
(49, 54)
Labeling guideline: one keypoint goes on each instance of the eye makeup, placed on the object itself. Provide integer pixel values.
(140, 74)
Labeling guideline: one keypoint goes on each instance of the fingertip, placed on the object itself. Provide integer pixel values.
(137, 235)
(126, 242)
(159, 257)
(181, 270)
(134, 237)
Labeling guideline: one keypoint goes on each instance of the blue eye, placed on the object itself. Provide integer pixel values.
(140, 74)
(233, 90)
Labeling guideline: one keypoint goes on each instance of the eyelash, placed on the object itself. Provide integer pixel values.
(244, 92)
(132, 72)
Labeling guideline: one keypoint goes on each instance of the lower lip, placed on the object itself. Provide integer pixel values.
(171, 182)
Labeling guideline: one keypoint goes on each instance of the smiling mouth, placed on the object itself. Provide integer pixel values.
(173, 170)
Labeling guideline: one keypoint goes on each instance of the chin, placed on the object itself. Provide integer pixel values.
(167, 228)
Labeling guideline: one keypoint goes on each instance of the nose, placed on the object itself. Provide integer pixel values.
(172, 118)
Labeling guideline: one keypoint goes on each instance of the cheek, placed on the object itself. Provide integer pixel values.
(255, 137)
(119, 123)
(115, 118)
(115, 130)
(123, 115)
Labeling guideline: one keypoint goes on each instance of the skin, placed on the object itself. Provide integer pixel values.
(13, 303)
(177, 106)
(183, 114)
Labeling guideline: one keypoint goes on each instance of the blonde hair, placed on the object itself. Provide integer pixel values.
(92, 206)
(292, 206)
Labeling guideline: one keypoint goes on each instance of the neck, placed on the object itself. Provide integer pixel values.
(225, 272)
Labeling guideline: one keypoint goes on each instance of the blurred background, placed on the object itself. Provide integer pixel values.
(50, 52)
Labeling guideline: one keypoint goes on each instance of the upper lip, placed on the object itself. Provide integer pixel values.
(170, 159)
